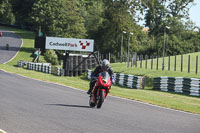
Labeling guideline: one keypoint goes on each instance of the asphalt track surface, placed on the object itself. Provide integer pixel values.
(33, 106)
(14, 42)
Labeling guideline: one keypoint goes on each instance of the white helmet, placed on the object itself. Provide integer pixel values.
(105, 64)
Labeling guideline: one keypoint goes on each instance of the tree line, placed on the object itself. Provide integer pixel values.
(105, 20)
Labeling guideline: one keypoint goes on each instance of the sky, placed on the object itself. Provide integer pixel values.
(195, 13)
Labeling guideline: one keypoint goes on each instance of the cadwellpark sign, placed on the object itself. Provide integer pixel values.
(70, 44)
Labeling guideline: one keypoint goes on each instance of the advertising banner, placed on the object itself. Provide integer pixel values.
(70, 44)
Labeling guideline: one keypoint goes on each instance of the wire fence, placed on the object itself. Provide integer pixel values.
(183, 63)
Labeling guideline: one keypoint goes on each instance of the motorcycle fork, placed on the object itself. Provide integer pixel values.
(94, 95)
(105, 93)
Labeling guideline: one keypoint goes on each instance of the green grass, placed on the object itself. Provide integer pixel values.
(28, 47)
(122, 68)
(171, 65)
(166, 99)
(150, 74)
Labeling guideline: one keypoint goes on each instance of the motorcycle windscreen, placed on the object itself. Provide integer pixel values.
(105, 76)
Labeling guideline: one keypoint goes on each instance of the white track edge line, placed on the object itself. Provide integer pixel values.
(2, 131)
(109, 95)
(17, 51)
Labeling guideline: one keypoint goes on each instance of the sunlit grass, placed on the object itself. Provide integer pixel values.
(169, 65)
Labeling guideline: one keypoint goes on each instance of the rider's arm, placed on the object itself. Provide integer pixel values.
(96, 72)
(110, 71)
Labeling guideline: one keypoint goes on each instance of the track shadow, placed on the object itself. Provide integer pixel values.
(10, 48)
(67, 105)
(23, 34)
(9, 34)
(27, 50)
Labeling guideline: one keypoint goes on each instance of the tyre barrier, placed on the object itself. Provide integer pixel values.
(189, 86)
(46, 68)
(130, 81)
(21, 63)
(57, 71)
(41, 67)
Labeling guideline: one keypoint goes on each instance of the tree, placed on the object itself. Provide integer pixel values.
(172, 13)
(6, 14)
(158, 13)
(93, 13)
(74, 25)
(179, 8)
(58, 18)
(21, 10)
(119, 16)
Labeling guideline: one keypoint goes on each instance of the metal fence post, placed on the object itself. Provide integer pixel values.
(181, 63)
(169, 63)
(196, 64)
(157, 64)
(175, 63)
(188, 63)
(146, 61)
(152, 62)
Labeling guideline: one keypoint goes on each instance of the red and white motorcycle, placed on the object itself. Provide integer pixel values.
(100, 90)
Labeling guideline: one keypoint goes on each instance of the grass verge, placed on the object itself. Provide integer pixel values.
(122, 68)
(166, 99)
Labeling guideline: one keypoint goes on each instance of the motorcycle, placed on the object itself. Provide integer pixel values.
(100, 90)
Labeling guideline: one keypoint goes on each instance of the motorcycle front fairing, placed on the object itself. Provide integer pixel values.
(104, 79)
(103, 82)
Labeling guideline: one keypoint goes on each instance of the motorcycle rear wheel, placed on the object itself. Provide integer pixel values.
(101, 99)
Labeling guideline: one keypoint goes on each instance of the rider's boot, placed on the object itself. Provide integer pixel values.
(91, 87)
(89, 91)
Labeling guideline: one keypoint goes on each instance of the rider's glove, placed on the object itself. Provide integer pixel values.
(113, 80)
(92, 76)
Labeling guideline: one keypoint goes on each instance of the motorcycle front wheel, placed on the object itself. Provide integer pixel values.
(101, 99)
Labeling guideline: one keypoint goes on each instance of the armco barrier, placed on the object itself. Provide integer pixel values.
(190, 86)
(41, 67)
(129, 81)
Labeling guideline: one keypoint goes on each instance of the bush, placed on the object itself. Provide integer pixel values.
(51, 57)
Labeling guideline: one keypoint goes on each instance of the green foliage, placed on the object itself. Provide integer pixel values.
(158, 13)
(21, 10)
(47, 15)
(58, 18)
(93, 13)
(105, 20)
(74, 25)
(6, 14)
(51, 57)
(181, 37)
(118, 17)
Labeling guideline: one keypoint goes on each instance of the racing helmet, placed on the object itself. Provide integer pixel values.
(105, 65)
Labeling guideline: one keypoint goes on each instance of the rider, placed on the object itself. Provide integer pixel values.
(104, 67)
